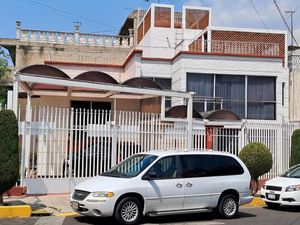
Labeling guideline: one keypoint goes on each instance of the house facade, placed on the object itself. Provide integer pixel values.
(169, 80)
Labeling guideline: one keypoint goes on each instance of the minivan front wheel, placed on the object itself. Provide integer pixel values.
(128, 211)
(228, 206)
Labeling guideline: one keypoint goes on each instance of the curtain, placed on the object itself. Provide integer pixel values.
(261, 98)
(232, 89)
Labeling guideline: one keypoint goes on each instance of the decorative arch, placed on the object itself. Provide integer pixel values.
(221, 114)
(141, 82)
(180, 111)
(96, 76)
(45, 70)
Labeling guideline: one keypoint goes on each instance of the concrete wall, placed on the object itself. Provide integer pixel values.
(29, 53)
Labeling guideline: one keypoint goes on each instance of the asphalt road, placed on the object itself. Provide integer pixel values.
(247, 216)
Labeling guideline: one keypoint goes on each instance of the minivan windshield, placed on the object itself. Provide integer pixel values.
(131, 167)
(293, 172)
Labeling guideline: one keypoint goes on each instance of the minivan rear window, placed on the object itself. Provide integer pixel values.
(209, 165)
(226, 165)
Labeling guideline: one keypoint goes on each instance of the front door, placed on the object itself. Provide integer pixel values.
(166, 191)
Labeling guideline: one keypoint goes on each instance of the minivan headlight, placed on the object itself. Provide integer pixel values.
(103, 194)
(293, 188)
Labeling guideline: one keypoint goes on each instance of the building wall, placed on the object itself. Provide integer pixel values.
(29, 53)
(294, 86)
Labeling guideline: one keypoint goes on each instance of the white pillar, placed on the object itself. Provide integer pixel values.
(190, 123)
(9, 104)
(28, 134)
(15, 96)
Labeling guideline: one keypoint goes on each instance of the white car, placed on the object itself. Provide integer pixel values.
(283, 190)
(166, 183)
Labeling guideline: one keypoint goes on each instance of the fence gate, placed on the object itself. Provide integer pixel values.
(62, 147)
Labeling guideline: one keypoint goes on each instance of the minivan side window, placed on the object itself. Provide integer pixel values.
(166, 168)
(226, 165)
(196, 166)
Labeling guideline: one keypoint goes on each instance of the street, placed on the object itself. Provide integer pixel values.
(247, 216)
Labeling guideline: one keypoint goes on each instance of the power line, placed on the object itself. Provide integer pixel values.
(259, 16)
(63, 12)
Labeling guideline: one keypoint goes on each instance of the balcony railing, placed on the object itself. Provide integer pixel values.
(235, 47)
(73, 38)
(294, 62)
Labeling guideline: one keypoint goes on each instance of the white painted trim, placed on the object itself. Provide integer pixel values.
(251, 30)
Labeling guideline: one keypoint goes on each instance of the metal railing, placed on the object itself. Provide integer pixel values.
(64, 144)
(235, 47)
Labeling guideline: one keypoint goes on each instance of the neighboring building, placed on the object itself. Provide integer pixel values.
(294, 85)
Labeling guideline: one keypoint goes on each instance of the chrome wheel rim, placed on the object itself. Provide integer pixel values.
(129, 211)
(229, 207)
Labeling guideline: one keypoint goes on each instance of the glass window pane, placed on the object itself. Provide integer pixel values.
(166, 168)
(232, 89)
(201, 84)
(261, 110)
(225, 165)
(261, 88)
(196, 166)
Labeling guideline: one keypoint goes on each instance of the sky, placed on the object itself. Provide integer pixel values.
(107, 16)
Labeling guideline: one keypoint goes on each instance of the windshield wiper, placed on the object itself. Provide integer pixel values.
(114, 173)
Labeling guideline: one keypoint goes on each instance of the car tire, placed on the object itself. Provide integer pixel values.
(228, 207)
(128, 211)
(272, 205)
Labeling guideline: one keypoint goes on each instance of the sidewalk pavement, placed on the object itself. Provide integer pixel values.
(59, 205)
(54, 204)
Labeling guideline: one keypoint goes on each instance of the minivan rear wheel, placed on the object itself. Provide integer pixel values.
(228, 206)
(128, 211)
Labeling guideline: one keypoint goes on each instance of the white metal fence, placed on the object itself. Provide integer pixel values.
(69, 145)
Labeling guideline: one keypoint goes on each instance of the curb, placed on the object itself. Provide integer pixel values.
(66, 214)
(257, 202)
(15, 211)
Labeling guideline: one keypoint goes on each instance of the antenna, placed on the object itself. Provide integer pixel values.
(286, 24)
(292, 25)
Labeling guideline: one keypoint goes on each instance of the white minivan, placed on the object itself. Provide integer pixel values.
(166, 183)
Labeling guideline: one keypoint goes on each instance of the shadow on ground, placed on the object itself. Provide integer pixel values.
(203, 217)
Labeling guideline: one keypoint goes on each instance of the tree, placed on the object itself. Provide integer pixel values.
(295, 152)
(258, 159)
(9, 151)
(4, 70)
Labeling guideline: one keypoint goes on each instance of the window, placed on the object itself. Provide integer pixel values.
(166, 168)
(251, 97)
(232, 89)
(203, 86)
(196, 166)
(226, 165)
(261, 102)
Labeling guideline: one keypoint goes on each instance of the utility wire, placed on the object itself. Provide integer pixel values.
(63, 12)
(259, 16)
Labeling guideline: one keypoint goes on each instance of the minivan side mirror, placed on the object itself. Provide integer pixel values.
(150, 175)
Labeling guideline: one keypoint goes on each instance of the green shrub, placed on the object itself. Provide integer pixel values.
(258, 159)
(9, 155)
(295, 153)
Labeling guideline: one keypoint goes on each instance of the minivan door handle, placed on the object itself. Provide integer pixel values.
(189, 184)
(179, 185)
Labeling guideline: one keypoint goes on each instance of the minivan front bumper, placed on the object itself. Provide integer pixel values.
(96, 207)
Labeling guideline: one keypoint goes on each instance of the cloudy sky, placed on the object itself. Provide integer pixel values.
(106, 16)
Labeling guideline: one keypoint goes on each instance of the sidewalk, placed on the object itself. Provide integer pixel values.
(59, 205)
(55, 204)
